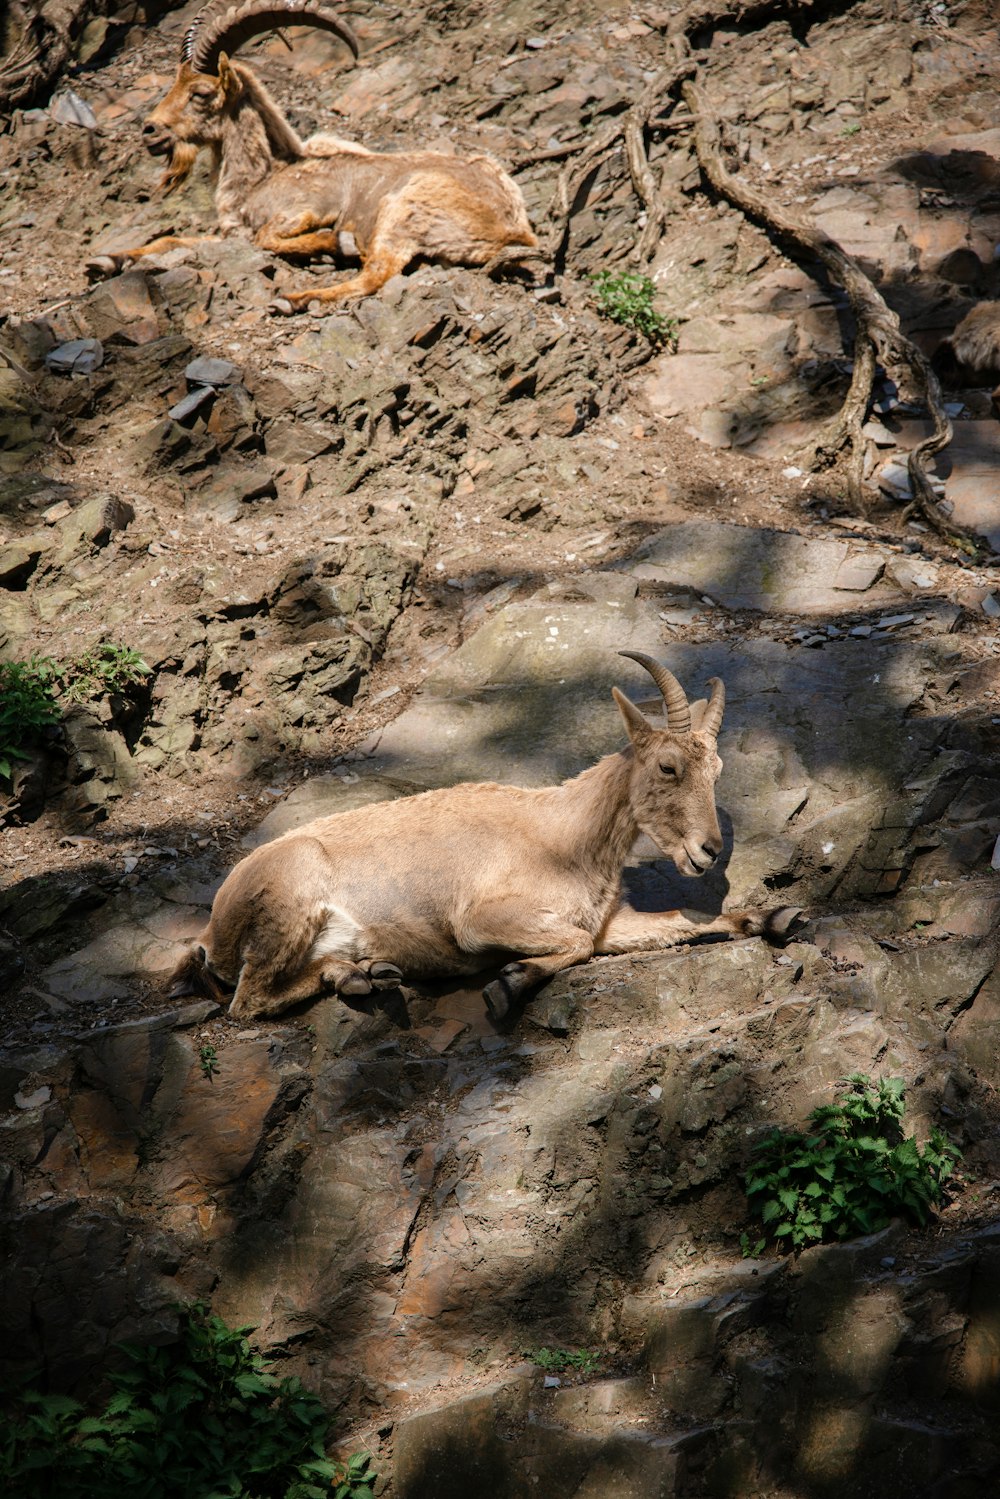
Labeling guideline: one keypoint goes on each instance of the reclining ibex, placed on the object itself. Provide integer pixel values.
(299, 197)
(971, 356)
(447, 881)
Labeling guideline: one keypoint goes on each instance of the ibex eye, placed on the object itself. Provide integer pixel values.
(669, 770)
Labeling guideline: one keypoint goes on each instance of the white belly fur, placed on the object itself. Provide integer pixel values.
(340, 937)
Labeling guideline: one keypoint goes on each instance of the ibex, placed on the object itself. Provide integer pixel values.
(300, 197)
(971, 356)
(449, 881)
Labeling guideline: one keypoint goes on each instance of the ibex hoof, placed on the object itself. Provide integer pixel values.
(781, 925)
(497, 997)
(281, 307)
(102, 265)
(503, 991)
(385, 975)
(356, 983)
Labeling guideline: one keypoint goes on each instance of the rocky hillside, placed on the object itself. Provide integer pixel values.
(364, 552)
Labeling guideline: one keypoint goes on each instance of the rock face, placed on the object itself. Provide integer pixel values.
(821, 730)
(398, 1197)
(399, 1208)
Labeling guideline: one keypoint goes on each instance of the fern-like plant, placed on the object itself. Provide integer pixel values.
(104, 668)
(33, 692)
(558, 1360)
(27, 706)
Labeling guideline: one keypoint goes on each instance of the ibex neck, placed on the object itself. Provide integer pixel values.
(246, 159)
(599, 821)
(255, 138)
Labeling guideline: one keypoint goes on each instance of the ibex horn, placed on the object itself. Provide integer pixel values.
(711, 721)
(226, 31)
(674, 699)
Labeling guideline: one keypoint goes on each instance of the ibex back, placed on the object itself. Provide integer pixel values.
(308, 198)
(450, 881)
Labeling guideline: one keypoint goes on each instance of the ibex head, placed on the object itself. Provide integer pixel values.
(206, 87)
(674, 771)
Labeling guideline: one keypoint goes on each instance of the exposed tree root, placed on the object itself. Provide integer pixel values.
(628, 129)
(40, 38)
(42, 47)
(879, 338)
(649, 110)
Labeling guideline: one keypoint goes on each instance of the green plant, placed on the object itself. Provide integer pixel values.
(751, 1248)
(202, 1418)
(852, 128)
(104, 668)
(558, 1360)
(353, 1479)
(32, 691)
(851, 1171)
(27, 706)
(628, 298)
(209, 1059)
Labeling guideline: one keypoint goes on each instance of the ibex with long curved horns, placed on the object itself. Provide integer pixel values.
(299, 197)
(445, 882)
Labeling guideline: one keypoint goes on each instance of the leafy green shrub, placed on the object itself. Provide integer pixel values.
(104, 668)
(202, 1418)
(851, 1172)
(27, 706)
(32, 692)
(353, 1479)
(557, 1360)
(628, 298)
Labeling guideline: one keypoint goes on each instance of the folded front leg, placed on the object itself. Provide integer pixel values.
(549, 944)
(376, 272)
(262, 990)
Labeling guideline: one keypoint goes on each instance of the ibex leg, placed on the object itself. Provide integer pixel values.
(635, 931)
(375, 273)
(306, 235)
(111, 263)
(548, 947)
(261, 992)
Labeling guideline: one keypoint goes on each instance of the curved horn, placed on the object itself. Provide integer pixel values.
(228, 29)
(711, 721)
(674, 699)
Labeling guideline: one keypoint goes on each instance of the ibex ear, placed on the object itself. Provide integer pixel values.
(227, 77)
(639, 728)
(698, 711)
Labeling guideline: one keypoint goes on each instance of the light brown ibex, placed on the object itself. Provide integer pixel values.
(971, 355)
(300, 197)
(448, 881)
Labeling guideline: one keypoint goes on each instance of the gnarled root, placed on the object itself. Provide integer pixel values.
(879, 338)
